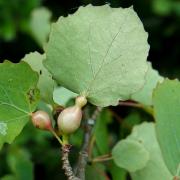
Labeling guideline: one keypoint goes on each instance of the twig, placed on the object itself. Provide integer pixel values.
(83, 155)
(131, 104)
(147, 109)
(102, 158)
(66, 164)
(56, 136)
(91, 145)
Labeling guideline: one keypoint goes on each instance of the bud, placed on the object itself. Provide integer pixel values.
(69, 119)
(41, 120)
(81, 101)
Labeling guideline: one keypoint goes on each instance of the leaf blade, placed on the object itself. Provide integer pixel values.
(166, 109)
(130, 155)
(18, 98)
(45, 84)
(155, 168)
(87, 53)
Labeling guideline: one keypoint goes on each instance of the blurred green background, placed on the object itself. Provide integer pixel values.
(36, 153)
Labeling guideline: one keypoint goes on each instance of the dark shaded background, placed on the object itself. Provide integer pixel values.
(161, 19)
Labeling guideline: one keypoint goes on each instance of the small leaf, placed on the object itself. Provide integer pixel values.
(152, 78)
(62, 95)
(18, 98)
(155, 168)
(45, 84)
(99, 52)
(40, 25)
(130, 155)
(166, 110)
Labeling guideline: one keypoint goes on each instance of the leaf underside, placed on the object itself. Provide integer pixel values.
(155, 167)
(144, 95)
(99, 52)
(166, 110)
(130, 154)
(45, 84)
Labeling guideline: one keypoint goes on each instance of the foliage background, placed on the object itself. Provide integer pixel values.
(161, 19)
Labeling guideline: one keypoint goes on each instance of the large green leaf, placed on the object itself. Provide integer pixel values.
(18, 98)
(45, 84)
(167, 110)
(130, 155)
(152, 78)
(99, 52)
(155, 168)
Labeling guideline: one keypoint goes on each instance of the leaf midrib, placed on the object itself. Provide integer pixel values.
(89, 87)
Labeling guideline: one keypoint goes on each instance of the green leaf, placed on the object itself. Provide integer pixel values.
(40, 24)
(130, 155)
(166, 110)
(62, 95)
(152, 78)
(155, 168)
(128, 123)
(45, 84)
(97, 171)
(117, 172)
(18, 98)
(20, 164)
(100, 130)
(99, 52)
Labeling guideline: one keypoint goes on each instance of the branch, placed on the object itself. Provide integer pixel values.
(147, 109)
(66, 164)
(83, 154)
(102, 158)
(131, 104)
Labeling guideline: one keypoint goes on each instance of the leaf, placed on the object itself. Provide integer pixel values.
(97, 171)
(99, 52)
(77, 138)
(117, 172)
(20, 164)
(152, 78)
(18, 98)
(62, 95)
(130, 155)
(45, 84)
(40, 24)
(155, 168)
(129, 122)
(100, 130)
(166, 102)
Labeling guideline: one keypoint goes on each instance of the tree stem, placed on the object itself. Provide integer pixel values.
(66, 164)
(83, 154)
